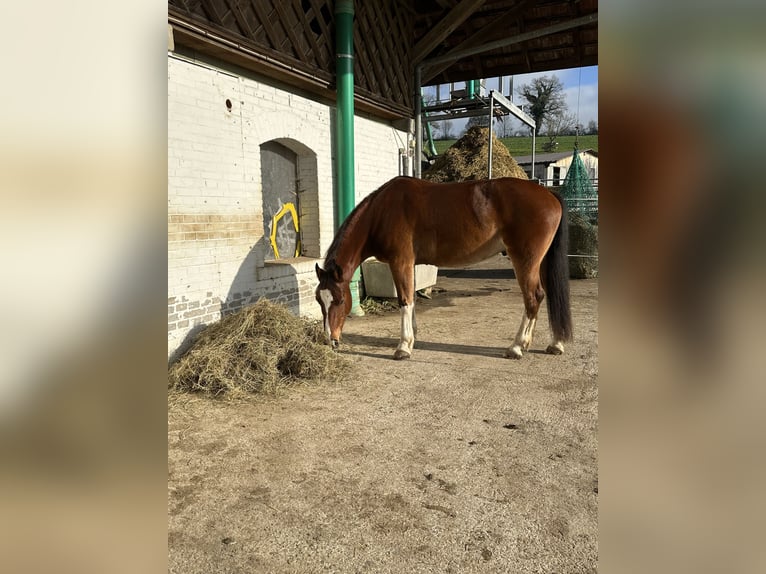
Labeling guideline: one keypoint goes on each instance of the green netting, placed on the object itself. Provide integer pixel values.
(578, 188)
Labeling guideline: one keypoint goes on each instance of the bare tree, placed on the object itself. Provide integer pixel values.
(482, 120)
(546, 98)
(504, 127)
(445, 127)
(558, 124)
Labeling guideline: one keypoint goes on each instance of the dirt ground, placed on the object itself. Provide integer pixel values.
(457, 460)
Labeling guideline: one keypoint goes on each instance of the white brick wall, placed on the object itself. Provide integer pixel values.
(215, 221)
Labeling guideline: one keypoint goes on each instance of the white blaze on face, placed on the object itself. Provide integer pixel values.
(326, 297)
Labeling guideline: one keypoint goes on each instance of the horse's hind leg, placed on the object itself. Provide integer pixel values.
(533, 294)
(404, 280)
(556, 347)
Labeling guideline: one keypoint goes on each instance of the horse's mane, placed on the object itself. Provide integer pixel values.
(350, 221)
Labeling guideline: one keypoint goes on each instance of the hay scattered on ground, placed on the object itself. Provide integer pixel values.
(258, 349)
(378, 306)
(468, 158)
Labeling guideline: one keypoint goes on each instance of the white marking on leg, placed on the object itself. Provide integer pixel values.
(515, 352)
(326, 296)
(528, 333)
(407, 340)
(555, 348)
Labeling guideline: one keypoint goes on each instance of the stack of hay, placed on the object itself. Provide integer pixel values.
(468, 158)
(583, 245)
(257, 349)
(583, 235)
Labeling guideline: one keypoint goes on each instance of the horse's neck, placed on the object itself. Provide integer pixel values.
(352, 248)
(348, 258)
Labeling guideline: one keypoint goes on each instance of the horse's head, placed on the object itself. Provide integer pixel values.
(334, 297)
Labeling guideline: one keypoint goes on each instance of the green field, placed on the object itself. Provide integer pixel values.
(523, 145)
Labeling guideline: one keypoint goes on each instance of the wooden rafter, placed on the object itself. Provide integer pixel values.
(311, 38)
(499, 27)
(444, 28)
(368, 55)
(287, 24)
(535, 34)
(212, 12)
(239, 16)
(293, 41)
(323, 39)
(384, 40)
(263, 16)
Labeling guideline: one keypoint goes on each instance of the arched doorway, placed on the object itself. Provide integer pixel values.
(281, 203)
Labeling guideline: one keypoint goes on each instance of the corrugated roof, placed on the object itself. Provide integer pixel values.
(551, 157)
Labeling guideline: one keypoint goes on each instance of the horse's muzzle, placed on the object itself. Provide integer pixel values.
(334, 343)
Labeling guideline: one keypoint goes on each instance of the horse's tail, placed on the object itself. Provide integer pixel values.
(556, 278)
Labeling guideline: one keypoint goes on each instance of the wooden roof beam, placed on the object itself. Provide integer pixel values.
(455, 55)
(498, 28)
(445, 27)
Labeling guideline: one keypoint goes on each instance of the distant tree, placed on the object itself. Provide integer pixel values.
(504, 127)
(482, 120)
(444, 128)
(546, 99)
(436, 130)
(592, 128)
(558, 124)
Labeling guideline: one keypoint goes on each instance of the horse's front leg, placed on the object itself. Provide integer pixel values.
(404, 280)
(523, 337)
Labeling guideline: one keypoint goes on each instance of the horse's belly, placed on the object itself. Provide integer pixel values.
(465, 254)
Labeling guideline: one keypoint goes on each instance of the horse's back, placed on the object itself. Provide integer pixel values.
(482, 202)
(459, 222)
(522, 200)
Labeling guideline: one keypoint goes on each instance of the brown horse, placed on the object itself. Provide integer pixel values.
(409, 221)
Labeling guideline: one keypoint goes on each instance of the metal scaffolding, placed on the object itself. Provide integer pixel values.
(496, 105)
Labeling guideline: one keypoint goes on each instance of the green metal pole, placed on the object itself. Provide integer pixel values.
(344, 69)
(471, 88)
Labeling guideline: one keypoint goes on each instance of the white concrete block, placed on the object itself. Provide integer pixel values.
(378, 281)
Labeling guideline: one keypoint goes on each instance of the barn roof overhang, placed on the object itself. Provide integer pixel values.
(507, 37)
(450, 40)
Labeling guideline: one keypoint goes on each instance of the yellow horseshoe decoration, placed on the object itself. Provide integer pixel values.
(286, 208)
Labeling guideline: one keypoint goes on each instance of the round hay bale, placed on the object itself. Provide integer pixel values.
(468, 158)
(258, 349)
(583, 240)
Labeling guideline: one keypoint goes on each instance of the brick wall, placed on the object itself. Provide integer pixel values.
(217, 121)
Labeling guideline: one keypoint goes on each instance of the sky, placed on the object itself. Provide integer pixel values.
(580, 90)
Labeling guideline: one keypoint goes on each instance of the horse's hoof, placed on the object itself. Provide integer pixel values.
(513, 353)
(554, 350)
(400, 355)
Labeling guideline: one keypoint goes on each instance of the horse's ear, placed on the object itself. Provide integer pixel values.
(319, 271)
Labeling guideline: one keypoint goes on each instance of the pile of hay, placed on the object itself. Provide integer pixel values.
(378, 306)
(468, 158)
(583, 240)
(257, 349)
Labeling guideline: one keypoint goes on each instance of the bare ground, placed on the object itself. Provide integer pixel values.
(457, 460)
